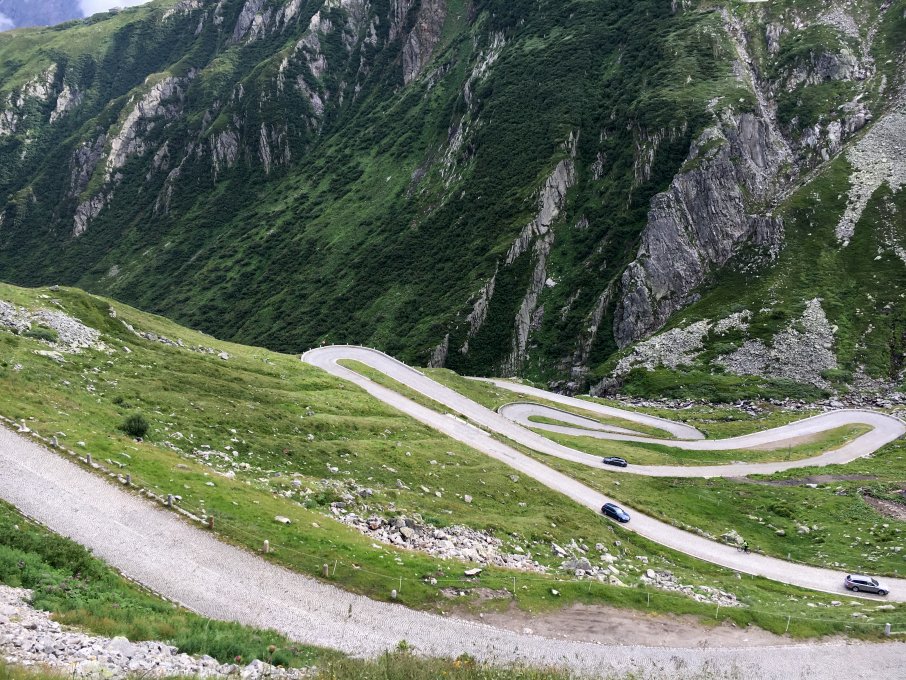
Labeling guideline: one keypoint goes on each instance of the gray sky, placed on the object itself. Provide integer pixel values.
(90, 7)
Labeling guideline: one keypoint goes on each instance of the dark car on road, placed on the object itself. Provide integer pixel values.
(864, 584)
(614, 511)
(614, 460)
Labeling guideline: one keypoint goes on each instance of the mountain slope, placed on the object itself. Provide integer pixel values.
(515, 187)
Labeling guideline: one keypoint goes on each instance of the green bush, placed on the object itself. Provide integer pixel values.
(42, 333)
(135, 425)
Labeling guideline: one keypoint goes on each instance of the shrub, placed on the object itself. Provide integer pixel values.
(42, 333)
(135, 425)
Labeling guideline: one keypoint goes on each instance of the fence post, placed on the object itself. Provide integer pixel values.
(887, 629)
(88, 459)
(267, 546)
(128, 480)
(169, 500)
(325, 570)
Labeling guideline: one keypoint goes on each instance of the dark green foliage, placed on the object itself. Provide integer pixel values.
(344, 243)
(42, 333)
(713, 386)
(135, 425)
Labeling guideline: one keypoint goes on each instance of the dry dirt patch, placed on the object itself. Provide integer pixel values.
(891, 509)
(612, 626)
(800, 481)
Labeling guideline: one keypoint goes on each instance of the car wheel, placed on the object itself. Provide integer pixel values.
(882, 592)
(855, 589)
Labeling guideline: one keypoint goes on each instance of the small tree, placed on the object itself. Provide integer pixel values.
(135, 425)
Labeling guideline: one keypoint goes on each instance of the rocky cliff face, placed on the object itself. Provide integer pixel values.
(699, 223)
(742, 167)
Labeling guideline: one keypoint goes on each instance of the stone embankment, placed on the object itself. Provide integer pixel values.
(454, 542)
(71, 334)
(30, 638)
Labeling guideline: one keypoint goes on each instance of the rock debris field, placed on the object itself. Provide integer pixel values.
(29, 637)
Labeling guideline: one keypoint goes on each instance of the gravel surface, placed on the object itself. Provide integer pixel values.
(886, 429)
(191, 566)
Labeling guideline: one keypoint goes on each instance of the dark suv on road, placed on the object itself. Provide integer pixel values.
(614, 511)
(865, 584)
(615, 460)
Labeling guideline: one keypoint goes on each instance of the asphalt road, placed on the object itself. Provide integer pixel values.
(884, 429)
(815, 578)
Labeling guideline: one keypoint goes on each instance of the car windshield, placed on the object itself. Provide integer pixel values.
(873, 582)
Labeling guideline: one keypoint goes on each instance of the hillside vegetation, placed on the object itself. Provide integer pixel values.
(243, 435)
(495, 186)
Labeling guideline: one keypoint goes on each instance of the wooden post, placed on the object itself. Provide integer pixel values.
(267, 546)
(211, 522)
(887, 629)
(88, 459)
(325, 570)
(169, 500)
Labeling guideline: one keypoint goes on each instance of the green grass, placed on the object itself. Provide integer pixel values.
(489, 395)
(80, 590)
(655, 454)
(843, 530)
(718, 421)
(292, 419)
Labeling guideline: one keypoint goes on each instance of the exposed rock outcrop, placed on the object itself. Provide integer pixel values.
(71, 335)
(670, 349)
(551, 201)
(801, 352)
(13, 112)
(699, 223)
(31, 638)
(68, 99)
(876, 159)
(423, 38)
(455, 542)
(162, 102)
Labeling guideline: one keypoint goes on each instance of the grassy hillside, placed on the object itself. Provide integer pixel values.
(260, 434)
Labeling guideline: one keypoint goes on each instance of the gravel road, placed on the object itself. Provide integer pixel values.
(815, 578)
(190, 566)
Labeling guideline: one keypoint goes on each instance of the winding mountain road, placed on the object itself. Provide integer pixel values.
(189, 565)
(884, 430)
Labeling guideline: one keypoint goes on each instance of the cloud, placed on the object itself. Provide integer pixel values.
(6, 23)
(90, 7)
